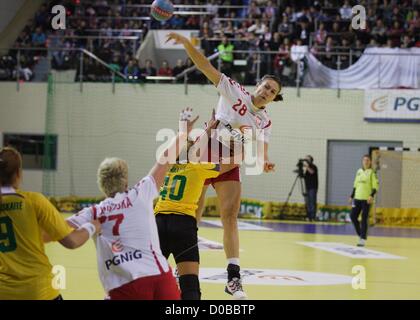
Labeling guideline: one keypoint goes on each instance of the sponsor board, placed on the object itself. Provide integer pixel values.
(392, 105)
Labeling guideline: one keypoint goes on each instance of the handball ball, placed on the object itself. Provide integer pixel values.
(162, 10)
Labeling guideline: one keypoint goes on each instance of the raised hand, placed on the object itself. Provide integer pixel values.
(185, 117)
(176, 37)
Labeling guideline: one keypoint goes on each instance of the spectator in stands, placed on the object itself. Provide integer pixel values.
(56, 42)
(252, 67)
(194, 76)
(322, 16)
(212, 7)
(205, 30)
(41, 17)
(372, 43)
(125, 31)
(336, 31)
(23, 40)
(397, 15)
(253, 10)
(407, 42)
(258, 27)
(321, 34)
(228, 30)
(413, 20)
(82, 33)
(236, 23)
(385, 10)
(344, 56)
(285, 29)
(177, 22)
(275, 42)
(303, 32)
(148, 70)
(371, 16)
(226, 55)
(280, 59)
(345, 11)
(357, 50)
(24, 71)
(193, 22)
(270, 10)
(379, 32)
(165, 70)
(39, 38)
(395, 34)
(131, 70)
(328, 59)
(315, 49)
(179, 67)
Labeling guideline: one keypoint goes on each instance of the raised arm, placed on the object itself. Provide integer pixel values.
(159, 170)
(197, 57)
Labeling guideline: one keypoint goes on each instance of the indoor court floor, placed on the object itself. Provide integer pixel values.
(284, 260)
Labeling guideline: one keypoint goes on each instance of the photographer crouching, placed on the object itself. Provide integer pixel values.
(310, 174)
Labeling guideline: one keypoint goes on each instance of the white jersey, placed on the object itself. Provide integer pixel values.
(128, 246)
(236, 111)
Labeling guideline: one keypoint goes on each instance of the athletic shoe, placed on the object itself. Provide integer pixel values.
(361, 243)
(234, 288)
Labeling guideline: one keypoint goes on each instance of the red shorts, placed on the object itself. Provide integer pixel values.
(159, 287)
(231, 175)
(215, 155)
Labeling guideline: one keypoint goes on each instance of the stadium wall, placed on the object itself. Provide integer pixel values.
(96, 123)
(23, 112)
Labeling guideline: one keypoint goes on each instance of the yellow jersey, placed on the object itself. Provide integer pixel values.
(25, 271)
(182, 188)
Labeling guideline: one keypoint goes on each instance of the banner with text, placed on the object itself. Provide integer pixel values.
(392, 105)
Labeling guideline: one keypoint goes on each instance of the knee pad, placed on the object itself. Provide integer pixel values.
(190, 287)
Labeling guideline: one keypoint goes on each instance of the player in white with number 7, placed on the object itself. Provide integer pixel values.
(130, 262)
(237, 109)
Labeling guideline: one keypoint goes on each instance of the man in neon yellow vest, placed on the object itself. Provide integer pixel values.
(226, 55)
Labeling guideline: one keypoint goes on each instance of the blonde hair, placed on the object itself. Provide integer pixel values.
(112, 176)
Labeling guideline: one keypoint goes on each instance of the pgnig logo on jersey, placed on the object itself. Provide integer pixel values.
(122, 258)
(117, 246)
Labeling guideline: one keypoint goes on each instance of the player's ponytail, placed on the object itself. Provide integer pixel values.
(10, 167)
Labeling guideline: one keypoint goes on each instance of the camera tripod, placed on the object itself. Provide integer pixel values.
(299, 178)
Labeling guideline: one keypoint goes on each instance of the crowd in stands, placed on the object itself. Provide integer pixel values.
(253, 26)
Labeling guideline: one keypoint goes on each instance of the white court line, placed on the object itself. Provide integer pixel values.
(350, 251)
(241, 225)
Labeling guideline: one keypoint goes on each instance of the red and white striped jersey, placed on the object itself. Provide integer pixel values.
(128, 246)
(236, 111)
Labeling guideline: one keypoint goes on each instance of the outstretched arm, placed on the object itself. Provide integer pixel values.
(159, 170)
(197, 57)
(79, 236)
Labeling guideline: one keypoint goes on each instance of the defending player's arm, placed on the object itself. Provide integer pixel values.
(79, 236)
(158, 172)
(56, 229)
(197, 57)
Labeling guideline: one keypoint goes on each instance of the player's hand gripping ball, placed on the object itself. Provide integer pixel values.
(162, 10)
